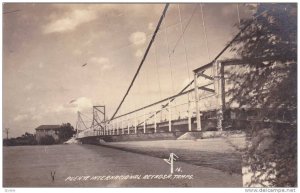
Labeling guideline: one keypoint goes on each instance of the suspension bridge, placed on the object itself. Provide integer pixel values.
(186, 111)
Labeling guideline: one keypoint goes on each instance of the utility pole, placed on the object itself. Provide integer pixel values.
(6, 131)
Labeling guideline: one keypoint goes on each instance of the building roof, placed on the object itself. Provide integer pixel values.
(47, 127)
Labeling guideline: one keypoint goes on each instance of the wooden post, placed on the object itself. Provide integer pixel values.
(122, 127)
(172, 162)
(114, 130)
(135, 129)
(113, 127)
(117, 128)
(222, 98)
(189, 116)
(109, 131)
(170, 116)
(127, 125)
(106, 131)
(144, 122)
(155, 122)
(196, 102)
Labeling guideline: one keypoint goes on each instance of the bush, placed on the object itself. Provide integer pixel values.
(47, 140)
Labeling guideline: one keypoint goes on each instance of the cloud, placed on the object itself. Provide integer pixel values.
(102, 61)
(59, 108)
(77, 52)
(228, 10)
(79, 104)
(186, 82)
(151, 26)
(28, 87)
(70, 21)
(36, 117)
(83, 103)
(21, 117)
(41, 65)
(106, 67)
(138, 38)
(99, 60)
(138, 53)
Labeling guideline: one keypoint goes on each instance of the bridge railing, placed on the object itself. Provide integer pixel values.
(161, 116)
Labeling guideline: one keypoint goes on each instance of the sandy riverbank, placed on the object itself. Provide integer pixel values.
(218, 153)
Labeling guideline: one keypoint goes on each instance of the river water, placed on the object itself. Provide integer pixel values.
(31, 166)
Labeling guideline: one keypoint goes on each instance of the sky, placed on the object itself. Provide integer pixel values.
(62, 58)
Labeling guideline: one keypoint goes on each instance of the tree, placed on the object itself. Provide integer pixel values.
(47, 140)
(268, 82)
(66, 132)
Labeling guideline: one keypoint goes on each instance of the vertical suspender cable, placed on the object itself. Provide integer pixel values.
(185, 50)
(183, 40)
(157, 71)
(238, 14)
(169, 57)
(205, 34)
(204, 30)
(158, 77)
(143, 59)
(147, 87)
(220, 53)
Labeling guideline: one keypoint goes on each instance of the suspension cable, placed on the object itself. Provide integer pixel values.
(220, 53)
(143, 59)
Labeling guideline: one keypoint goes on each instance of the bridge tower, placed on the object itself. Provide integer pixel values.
(213, 83)
(99, 118)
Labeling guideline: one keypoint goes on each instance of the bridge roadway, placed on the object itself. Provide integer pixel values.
(179, 125)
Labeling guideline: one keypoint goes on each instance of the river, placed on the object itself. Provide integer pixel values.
(31, 166)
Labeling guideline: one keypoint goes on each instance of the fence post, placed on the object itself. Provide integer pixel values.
(127, 125)
(155, 122)
(189, 116)
(170, 116)
(122, 127)
(135, 129)
(220, 94)
(196, 101)
(109, 129)
(144, 122)
(114, 126)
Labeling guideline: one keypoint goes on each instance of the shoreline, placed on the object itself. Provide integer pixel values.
(218, 153)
